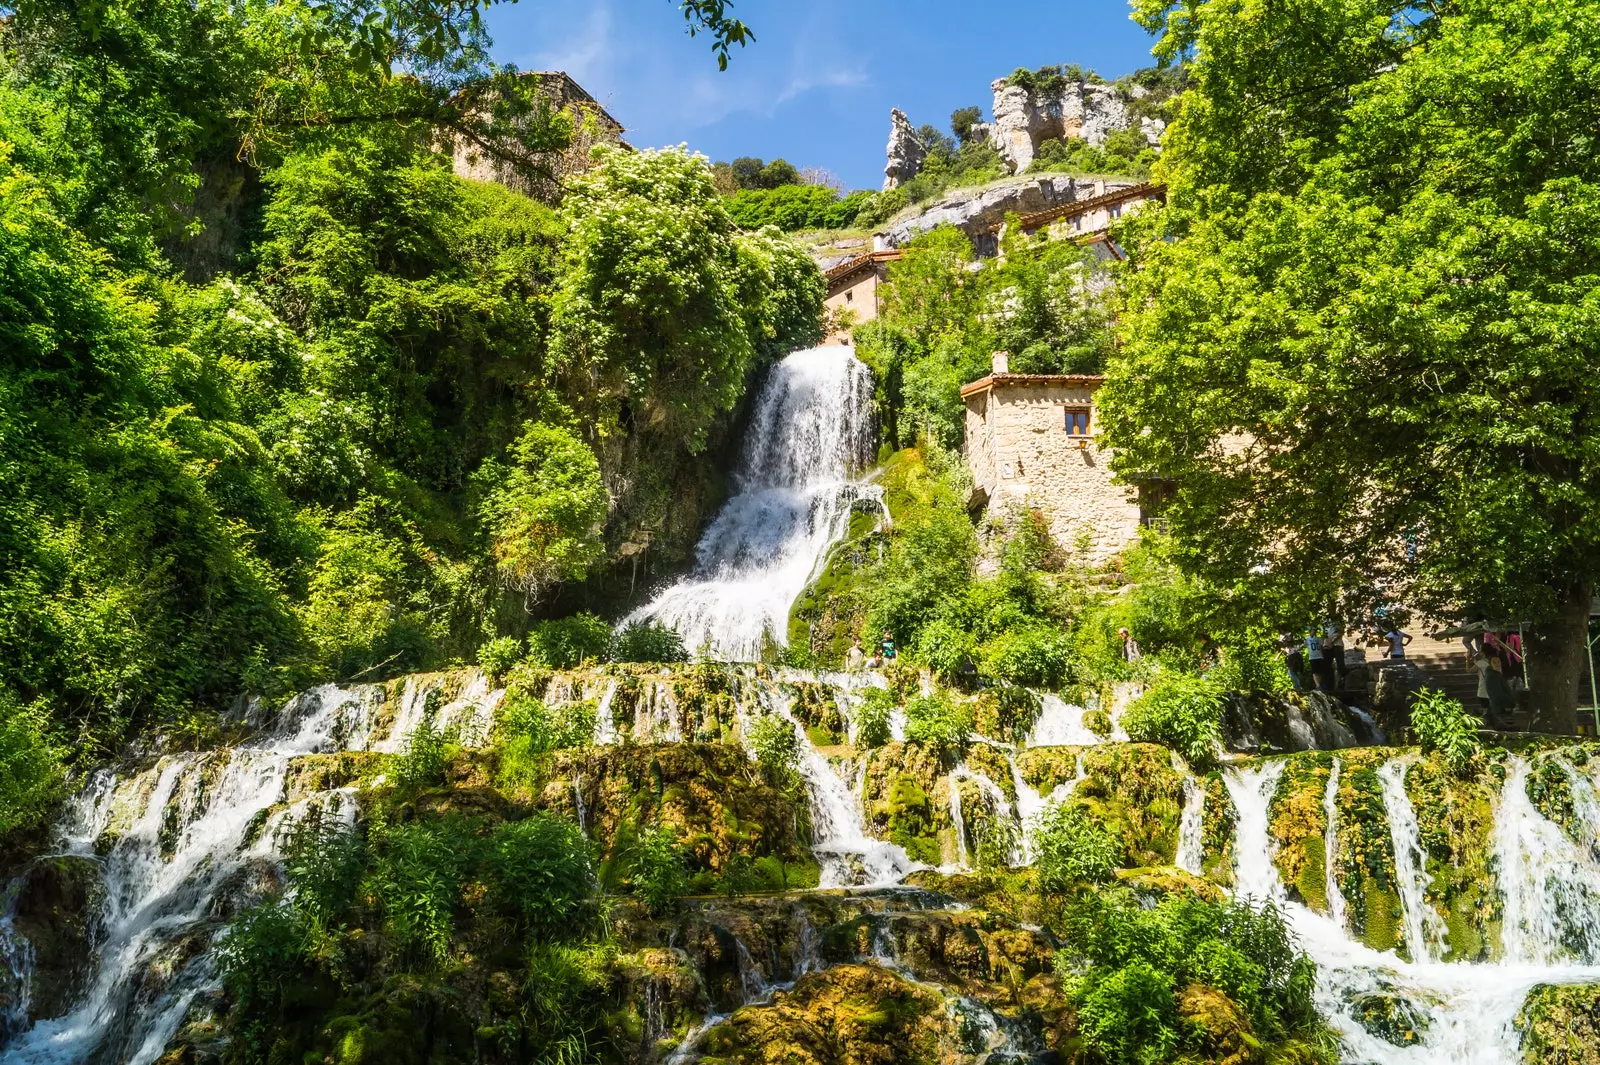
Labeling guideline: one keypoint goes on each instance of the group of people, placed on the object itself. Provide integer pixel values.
(1498, 659)
(1319, 659)
(856, 658)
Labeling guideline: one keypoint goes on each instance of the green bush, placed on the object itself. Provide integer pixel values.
(648, 642)
(946, 648)
(941, 725)
(776, 746)
(1442, 724)
(1181, 712)
(427, 752)
(1072, 848)
(1031, 654)
(658, 871)
(544, 876)
(566, 643)
(872, 717)
(498, 656)
(1127, 958)
(416, 881)
(527, 727)
(31, 777)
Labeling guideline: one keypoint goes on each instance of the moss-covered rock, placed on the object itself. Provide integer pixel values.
(848, 1015)
(1299, 826)
(56, 908)
(1132, 788)
(1561, 1025)
(1455, 824)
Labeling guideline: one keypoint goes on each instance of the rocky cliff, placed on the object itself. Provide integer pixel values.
(1026, 117)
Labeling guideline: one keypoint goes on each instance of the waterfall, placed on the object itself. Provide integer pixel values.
(810, 431)
(1463, 1013)
(605, 726)
(1330, 848)
(1425, 931)
(16, 978)
(1060, 725)
(1191, 845)
(1550, 884)
(173, 839)
(958, 822)
(848, 856)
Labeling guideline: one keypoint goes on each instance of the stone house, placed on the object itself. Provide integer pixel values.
(852, 293)
(1030, 442)
(592, 125)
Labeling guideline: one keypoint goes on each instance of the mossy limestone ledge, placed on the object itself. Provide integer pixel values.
(1561, 1025)
(1298, 824)
(1131, 787)
(1455, 824)
(713, 794)
(847, 1015)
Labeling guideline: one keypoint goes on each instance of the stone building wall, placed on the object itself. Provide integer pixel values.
(1021, 453)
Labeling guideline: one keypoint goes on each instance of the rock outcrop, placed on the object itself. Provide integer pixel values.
(905, 151)
(977, 211)
(1023, 120)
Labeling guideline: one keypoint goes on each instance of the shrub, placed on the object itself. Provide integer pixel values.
(498, 656)
(648, 642)
(1181, 712)
(31, 776)
(1073, 847)
(946, 648)
(544, 876)
(1131, 1016)
(416, 881)
(1035, 654)
(773, 741)
(544, 512)
(658, 872)
(872, 717)
(1127, 957)
(323, 859)
(426, 754)
(568, 642)
(1442, 724)
(1252, 667)
(997, 839)
(942, 726)
(527, 726)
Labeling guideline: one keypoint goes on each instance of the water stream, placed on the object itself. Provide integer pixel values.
(810, 433)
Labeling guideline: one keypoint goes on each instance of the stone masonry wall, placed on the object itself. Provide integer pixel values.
(1020, 451)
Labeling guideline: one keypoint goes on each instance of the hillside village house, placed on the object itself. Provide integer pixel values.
(1030, 442)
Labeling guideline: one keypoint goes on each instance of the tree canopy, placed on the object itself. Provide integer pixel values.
(1359, 337)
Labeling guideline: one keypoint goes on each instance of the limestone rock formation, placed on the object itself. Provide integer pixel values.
(1023, 119)
(975, 212)
(905, 151)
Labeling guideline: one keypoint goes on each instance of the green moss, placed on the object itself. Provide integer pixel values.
(910, 817)
(1299, 827)
(1455, 824)
(1561, 1025)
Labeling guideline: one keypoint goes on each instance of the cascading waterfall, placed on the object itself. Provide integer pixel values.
(1551, 885)
(1060, 724)
(1191, 844)
(1425, 931)
(180, 834)
(1464, 1013)
(810, 432)
(957, 822)
(17, 958)
(1330, 847)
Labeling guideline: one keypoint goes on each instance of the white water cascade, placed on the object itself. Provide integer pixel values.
(1551, 884)
(1462, 1013)
(1191, 841)
(1425, 931)
(810, 433)
(1330, 848)
(183, 836)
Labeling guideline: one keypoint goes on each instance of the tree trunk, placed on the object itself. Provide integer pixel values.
(1557, 653)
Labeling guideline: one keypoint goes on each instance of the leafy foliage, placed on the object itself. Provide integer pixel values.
(544, 514)
(796, 207)
(563, 643)
(544, 875)
(1073, 848)
(776, 747)
(940, 724)
(872, 716)
(31, 776)
(658, 873)
(1391, 265)
(1443, 725)
(1128, 962)
(500, 654)
(648, 642)
(1182, 712)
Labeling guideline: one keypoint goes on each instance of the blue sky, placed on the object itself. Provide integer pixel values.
(817, 85)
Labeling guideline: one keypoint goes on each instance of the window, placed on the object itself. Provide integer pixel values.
(1116, 210)
(850, 296)
(1077, 421)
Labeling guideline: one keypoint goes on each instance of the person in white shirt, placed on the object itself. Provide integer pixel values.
(1398, 638)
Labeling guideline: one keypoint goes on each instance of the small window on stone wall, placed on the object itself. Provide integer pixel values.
(1077, 421)
(849, 297)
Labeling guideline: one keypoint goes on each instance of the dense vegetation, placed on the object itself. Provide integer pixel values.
(1387, 283)
(331, 413)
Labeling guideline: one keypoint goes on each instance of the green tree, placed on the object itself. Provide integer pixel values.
(1359, 336)
(544, 514)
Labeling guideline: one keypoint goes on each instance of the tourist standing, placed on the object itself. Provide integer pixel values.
(855, 658)
(1130, 646)
(1397, 638)
(1321, 665)
(887, 646)
(1333, 648)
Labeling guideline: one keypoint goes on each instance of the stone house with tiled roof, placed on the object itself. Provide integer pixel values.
(1030, 442)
